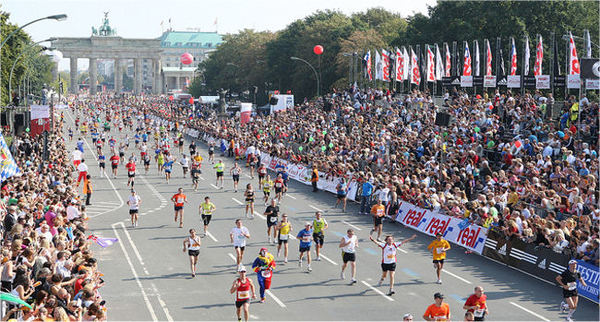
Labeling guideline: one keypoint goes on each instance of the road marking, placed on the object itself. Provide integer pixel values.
(137, 279)
(371, 251)
(315, 208)
(214, 186)
(275, 298)
(458, 298)
(211, 237)
(338, 233)
(529, 311)
(135, 250)
(410, 272)
(232, 257)
(378, 291)
(237, 201)
(202, 179)
(288, 195)
(327, 259)
(402, 250)
(351, 225)
(253, 317)
(260, 216)
(162, 303)
(454, 275)
(520, 270)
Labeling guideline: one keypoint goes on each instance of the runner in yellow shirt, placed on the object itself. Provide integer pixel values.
(439, 247)
(267, 184)
(206, 209)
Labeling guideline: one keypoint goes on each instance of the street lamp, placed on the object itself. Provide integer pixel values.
(20, 55)
(566, 37)
(311, 67)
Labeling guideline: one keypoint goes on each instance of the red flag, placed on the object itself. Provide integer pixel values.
(399, 65)
(513, 58)
(488, 63)
(368, 62)
(539, 56)
(430, 65)
(573, 60)
(448, 61)
(416, 75)
(467, 62)
(385, 56)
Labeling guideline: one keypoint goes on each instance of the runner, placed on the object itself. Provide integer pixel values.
(439, 247)
(348, 245)
(196, 165)
(83, 169)
(211, 153)
(253, 160)
(220, 166)
(114, 163)
(134, 206)
(438, 311)
(160, 160)
(319, 225)
(130, 172)
(235, 172)
(279, 188)
(146, 160)
(192, 245)
(305, 238)
(238, 236)
(192, 148)
(102, 163)
(272, 214)
(568, 281)
(262, 172)
(388, 258)
(378, 211)
(263, 266)
(249, 194)
(206, 209)
(283, 231)
(76, 155)
(178, 200)
(168, 167)
(267, 185)
(342, 191)
(242, 287)
(185, 164)
(476, 304)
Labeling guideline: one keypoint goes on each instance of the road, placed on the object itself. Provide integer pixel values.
(148, 276)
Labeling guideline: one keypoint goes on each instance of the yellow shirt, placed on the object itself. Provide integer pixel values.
(198, 158)
(285, 228)
(437, 246)
(267, 184)
(513, 198)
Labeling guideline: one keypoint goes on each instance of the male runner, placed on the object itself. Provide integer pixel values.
(192, 245)
(378, 212)
(283, 231)
(185, 164)
(476, 304)
(348, 245)
(238, 236)
(114, 162)
(279, 188)
(388, 260)
(319, 226)
(242, 287)
(262, 172)
(206, 209)
(220, 166)
(272, 214)
(130, 172)
(235, 172)
(196, 165)
(267, 185)
(568, 281)
(439, 247)
(305, 238)
(438, 311)
(263, 266)
(178, 200)
(134, 206)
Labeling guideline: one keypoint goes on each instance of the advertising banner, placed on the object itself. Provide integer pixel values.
(489, 81)
(513, 81)
(591, 276)
(542, 81)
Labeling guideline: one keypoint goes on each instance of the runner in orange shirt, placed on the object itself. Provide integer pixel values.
(378, 211)
(438, 311)
(178, 199)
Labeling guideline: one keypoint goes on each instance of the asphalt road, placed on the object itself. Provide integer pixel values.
(148, 275)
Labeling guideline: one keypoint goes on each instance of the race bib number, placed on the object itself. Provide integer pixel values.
(572, 286)
(241, 237)
(243, 295)
(306, 238)
(440, 317)
(180, 200)
(131, 172)
(273, 219)
(283, 237)
(266, 273)
(439, 250)
(390, 256)
(479, 313)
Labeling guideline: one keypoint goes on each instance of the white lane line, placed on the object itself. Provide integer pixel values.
(315, 208)
(456, 276)
(135, 250)
(137, 279)
(260, 216)
(232, 257)
(402, 250)
(327, 259)
(253, 317)
(529, 311)
(351, 225)
(292, 236)
(278, 301)
(211, 236)
(237, 201)
(214, 186)
(162, 303)
(378, 291)
(202, 179)
(288, 195)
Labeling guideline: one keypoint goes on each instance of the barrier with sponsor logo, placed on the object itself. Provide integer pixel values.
(591, 276)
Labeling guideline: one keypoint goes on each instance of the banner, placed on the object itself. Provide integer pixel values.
(559, 81)
(8, 166)
(385, 57)
(284, 102)
(399, 65)
(513, 59)
(513, 81)
(40, 112)
(590, 68)
(529, 81)
(591, 276)
(430, 65)
(245, 112)
(489, 81)
(592, 84)
(573, 81)
(573, 60)
(367, 60)
(378, 66)
(426, 221)
(542, 81)
(466, 81)
(477, 81)
(467, 69)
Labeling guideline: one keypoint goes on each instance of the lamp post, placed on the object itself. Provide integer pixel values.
(59, 17)
(311, 67)
(20, 55)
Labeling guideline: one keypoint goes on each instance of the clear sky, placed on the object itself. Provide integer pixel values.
(142, 18)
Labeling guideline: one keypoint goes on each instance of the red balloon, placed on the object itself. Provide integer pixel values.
(318, 49)
(187, 58)
(191, 100)
(171, 98)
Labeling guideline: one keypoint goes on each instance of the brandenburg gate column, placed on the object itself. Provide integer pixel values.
(157, 85)
(137, 76)
(74, 85)
(118, 76)
(93, 70)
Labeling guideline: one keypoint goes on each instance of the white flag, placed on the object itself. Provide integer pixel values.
(476, 61)
(526, 58)
(439, 64)
(378, 66)
(406, 63)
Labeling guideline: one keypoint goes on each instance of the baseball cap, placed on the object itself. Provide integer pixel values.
(572, 262)
(307, 223)
(242, 269)
(438, 295)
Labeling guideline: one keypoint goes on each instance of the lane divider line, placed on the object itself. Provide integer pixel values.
(260, 215)
(456, 276)
(135, 249)
(329, 260)
(529, 311)
(378, 291)
(211, 236)
(351, 225)
(278, 301)
(162, 303)
(288, 195)
(237, 201)
(315, 208)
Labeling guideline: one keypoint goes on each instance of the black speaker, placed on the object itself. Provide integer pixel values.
(19, 120)
(273, 100)
(442, 119)
(4, 118)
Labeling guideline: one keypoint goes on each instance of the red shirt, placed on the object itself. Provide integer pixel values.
(130, 166)
(179, 199)
(114, 159)
(243, 291)
(473, 300)
(278, 183)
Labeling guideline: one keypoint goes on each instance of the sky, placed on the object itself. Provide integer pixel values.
(142, 18)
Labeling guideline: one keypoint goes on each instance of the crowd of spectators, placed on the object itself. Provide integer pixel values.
(47, 259)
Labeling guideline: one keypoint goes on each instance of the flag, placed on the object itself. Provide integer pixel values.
(513, 58)
(588, 44)
(430, 65)
(414, 66)
(526, 57)
(476, 61)
(539, 57)
(555, 57)
(502, 70)
(573, 60)
(439, 65)
(378, 66)
(367, 60)
(467, 71)
(385, 65)
(406, 63)
(488, 58)
(399, 65)
(103, 242)
(8, 166)
(448, 69)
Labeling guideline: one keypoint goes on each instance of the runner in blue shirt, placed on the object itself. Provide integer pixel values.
(365, 202)
(168, 167)
(305, 238)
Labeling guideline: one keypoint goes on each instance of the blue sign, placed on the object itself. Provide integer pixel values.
(464, 224)
(591, 275)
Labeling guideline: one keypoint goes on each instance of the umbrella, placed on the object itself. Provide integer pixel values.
(13, 299)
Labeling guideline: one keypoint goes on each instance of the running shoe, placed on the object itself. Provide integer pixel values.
(342, 275)
(380, 282)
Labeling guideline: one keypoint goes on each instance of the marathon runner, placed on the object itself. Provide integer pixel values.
(249, 194)
(439, 247)
(130, 172)
(102, 163)
(178, 200)
(243, 289)
(235, 172)
(168, 167)
(348, 245)
(206, 209)
(378, 212)
(146, 160)
(185, 164)
(342, 191)
(438, 311)
(220, 166)
(160, 160)
(238, 236)
(267, 185)
(192, 148)
(263, 266)
(476, 304)
(262, 172)
(568, 281)
(211, 153)
(283, 235)
(272, 214)
(196, 165)
(305, 238)
(279, 188)
(114, 163)
(192, 245)
(319, 226)
(388, 258)
(134, 203)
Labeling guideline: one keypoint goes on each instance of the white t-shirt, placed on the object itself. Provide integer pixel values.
(351, 247)
(82, 167)
(72, 212)
(389, 252)
(76, 154)
(239, 239)
(134, 202)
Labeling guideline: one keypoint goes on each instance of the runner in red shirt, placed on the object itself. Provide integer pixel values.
(243, 289)
(476, 304)
(130, 172)
(278, 187)
(114, 161)
(178, 199)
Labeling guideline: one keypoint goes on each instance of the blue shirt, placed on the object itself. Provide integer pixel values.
(303, 236)
(367, 189)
